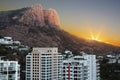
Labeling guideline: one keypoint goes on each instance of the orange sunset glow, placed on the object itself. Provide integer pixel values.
(96, 38)
(99, 35)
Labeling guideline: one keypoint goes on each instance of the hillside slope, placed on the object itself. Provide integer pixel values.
(36, 27)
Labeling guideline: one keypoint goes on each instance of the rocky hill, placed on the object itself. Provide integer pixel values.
(36, 27)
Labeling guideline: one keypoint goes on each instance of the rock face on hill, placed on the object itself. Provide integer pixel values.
(51, 17)
(36, 27)
(34, 16)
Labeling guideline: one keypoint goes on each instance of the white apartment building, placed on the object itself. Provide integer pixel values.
(60, 60)
(9, 70)
(42, 64)
(80, 68)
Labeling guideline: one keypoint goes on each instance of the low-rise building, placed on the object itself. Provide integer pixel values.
(6, 40)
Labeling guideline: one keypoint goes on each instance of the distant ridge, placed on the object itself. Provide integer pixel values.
(36, 27)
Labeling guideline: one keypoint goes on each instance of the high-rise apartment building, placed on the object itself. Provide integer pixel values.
(42, 64)
(9, 70)
(48, 64)
(80, 68)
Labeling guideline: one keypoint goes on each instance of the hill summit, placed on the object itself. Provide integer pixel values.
(33, 15)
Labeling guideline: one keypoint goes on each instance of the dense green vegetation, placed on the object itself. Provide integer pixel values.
(4, 50)
(110, 71)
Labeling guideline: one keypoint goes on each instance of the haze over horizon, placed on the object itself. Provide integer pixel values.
(90, 19)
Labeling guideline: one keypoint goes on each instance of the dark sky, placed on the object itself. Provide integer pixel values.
(99, 19)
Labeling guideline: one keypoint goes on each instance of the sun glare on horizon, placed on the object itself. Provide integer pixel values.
(95, 37)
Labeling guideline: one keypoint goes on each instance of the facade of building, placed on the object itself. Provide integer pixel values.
(9, 70)
(42, 64)
(80, 68)
(48, 64)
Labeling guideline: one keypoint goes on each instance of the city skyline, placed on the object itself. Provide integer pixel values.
(90, 19)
